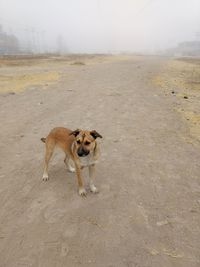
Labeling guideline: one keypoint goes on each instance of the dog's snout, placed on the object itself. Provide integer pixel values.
(87, 152)
(82, 152)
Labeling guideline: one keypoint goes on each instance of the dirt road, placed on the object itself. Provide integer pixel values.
(147, 213)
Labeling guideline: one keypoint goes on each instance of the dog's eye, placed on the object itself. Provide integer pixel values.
(87, 143)
(78, 142)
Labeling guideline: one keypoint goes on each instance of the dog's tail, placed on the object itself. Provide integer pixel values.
(43, 139)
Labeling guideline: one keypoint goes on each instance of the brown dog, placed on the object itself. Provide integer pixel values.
(81, 150)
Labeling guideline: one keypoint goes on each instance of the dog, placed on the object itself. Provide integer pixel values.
(81, 150)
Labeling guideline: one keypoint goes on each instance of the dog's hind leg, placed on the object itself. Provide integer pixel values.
(49, 151)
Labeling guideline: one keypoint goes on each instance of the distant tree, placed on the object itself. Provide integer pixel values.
(9, 43)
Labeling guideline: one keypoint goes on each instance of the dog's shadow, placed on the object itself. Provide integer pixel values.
(58, 171)
(62, 180)
(59, 175)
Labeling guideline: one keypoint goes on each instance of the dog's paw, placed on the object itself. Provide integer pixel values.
(93, 189)
(82, 192)
(45, 178)
(71, 169)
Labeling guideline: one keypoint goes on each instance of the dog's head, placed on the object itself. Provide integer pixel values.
(85, 141)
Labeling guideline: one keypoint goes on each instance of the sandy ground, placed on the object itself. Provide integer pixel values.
(147, 213)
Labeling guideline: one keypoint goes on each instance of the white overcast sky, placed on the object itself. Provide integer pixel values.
(105, 25)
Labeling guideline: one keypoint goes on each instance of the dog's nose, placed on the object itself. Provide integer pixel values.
(82, 152)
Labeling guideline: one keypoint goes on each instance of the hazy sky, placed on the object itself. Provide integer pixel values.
(104, 25)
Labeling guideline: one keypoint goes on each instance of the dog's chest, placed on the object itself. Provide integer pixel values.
(87, 161)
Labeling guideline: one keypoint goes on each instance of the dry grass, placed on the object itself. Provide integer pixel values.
(78, 63)
(182, 77)
(18, 82)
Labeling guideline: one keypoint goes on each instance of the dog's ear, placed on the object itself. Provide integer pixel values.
(95, 134)
(75, 133)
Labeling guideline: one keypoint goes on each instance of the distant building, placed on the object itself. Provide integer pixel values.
(8, 43)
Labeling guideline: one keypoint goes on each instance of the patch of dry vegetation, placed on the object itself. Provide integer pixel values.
(181, 77)
(78, 63)
(19, 82)
(18, 73)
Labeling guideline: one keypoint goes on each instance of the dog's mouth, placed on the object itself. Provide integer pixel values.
(83, 155)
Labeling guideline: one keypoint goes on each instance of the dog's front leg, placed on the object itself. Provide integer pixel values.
(91, 177)
(81, 189)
